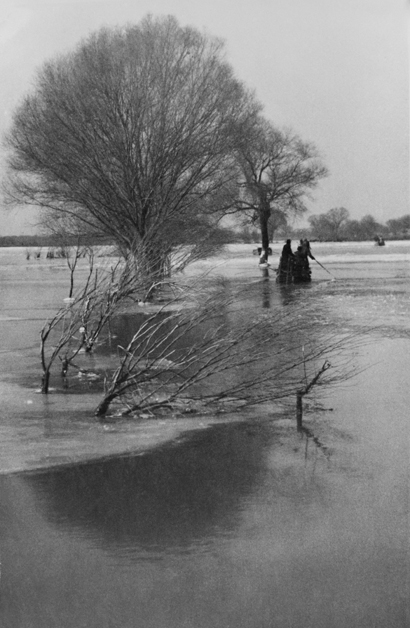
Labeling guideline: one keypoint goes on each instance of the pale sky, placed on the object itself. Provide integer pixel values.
(335, 71)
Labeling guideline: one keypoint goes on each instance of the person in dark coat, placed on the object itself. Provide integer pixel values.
(301, 269)
(305, 244)
(287, 250)
(286, 263)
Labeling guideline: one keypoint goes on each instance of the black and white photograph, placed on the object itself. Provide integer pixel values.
(204, 314)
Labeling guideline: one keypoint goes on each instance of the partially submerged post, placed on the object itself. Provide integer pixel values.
(304, 391)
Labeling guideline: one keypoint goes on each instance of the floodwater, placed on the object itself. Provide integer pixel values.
(204, 523)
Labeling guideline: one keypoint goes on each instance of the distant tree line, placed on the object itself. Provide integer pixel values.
(336, 226)
(326, 227)
(39, 241)
(219, 237)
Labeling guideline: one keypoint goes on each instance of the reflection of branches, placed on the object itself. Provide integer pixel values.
(318, 443)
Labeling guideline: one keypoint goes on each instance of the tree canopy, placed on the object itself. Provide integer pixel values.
(132, 134)
(278, 170)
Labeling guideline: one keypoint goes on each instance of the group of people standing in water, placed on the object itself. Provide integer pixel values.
(294, 266)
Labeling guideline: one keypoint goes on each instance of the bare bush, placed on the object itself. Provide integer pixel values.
(78, 324)
(217, 351)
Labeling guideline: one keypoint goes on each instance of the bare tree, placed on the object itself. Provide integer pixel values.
(79, 323)
(278, 171)
(72, 254)
(132, 134)
(60, 330)
(307, 387)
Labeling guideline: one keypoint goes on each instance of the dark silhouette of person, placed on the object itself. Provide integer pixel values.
(287, 250)
(286, 263)
(301, 269)
(305, 246)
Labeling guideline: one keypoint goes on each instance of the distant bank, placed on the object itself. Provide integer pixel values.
(39, 241)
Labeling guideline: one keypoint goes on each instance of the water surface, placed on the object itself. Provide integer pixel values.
(244, 523)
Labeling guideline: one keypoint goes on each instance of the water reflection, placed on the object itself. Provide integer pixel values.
(170, 497)
(242, 525)
(74, 540)
(288, 294)
(236, 526)
(266, 289)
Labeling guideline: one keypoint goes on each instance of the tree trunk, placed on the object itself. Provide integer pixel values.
(70, 294)
(103, 406)
(45, 382)
(263, 221)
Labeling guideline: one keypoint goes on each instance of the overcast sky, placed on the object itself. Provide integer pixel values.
(335, 71)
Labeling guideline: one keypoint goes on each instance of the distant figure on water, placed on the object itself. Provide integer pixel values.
(379, 241)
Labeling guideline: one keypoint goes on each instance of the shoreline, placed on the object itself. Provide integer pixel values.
(141, 438)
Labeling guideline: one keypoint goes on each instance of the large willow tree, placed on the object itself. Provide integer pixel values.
(133, 135)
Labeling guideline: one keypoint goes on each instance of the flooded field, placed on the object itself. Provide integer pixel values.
(210, 523)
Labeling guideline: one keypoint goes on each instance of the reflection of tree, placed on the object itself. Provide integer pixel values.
(265, 288)
(168, 497)
(289, 293)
